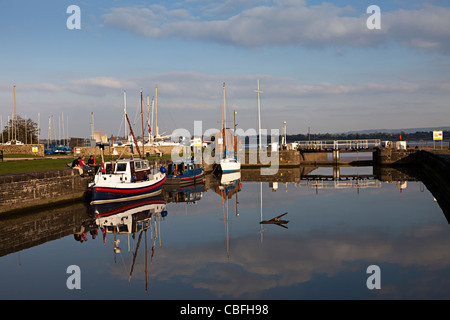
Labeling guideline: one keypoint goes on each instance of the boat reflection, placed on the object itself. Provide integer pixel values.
(189, 194)
(131, 218)
(229, 185)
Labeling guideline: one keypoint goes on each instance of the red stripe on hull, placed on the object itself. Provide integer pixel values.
(199, 175)
(128, 191)
(121, 209)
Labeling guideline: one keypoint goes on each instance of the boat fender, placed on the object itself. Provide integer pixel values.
(133, 177)
(163, 169)
(164, 213)
(145, 177)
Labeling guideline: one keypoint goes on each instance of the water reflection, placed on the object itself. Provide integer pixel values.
(131, 218)
(206, 241)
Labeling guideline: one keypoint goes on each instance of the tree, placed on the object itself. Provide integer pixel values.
(26, 131)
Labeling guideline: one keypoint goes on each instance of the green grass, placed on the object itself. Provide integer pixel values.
(8, 167)
(43, 164)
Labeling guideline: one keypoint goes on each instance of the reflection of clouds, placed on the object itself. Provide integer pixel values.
(421, 254)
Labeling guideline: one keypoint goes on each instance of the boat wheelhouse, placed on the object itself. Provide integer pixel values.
(126, 180)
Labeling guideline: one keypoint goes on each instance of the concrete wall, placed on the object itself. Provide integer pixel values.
(390, 156)
(23, 149)
(37, 188)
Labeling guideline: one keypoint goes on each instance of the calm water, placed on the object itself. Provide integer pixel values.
(207, 250)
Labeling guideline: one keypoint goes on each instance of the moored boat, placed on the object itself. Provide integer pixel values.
(126, 180)
(228, 161)
(184, 173)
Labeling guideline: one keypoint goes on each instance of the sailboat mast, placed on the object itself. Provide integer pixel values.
(15, 115)
(125, 112)
(142, 120)
(224, 121)
(151, 124)
(259, 114)
(156, 113)
(148, 118)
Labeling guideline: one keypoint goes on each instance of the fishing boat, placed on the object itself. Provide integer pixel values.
(185, 172)
(228, 161)
(126, 179)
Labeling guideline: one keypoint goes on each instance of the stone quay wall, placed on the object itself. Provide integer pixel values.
(38, 188)
(31, 149)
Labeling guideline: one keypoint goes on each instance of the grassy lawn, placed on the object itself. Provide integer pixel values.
(44, 164)
(19, 166)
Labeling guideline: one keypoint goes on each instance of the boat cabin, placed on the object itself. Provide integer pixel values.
(129, 170)
(183, 168)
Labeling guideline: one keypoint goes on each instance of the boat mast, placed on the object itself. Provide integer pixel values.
(148, 118)
(224, 121)
(156, 113)
(15, 115)
(259, 115)
(151, 124)
(142, 120)
(125, 112)
(235, 136)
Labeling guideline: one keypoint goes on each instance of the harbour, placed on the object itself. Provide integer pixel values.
(227, 158)
(332, 236)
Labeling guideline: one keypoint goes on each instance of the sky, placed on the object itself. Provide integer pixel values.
(319, 66)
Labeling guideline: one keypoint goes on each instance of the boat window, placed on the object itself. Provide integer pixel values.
(145, 164)
(137, 164)
(122, 167)
(108, 168)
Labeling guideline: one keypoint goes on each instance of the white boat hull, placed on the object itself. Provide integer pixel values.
(229, 165)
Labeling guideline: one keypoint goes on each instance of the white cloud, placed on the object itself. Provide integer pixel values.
(197, 86)
(289, 23)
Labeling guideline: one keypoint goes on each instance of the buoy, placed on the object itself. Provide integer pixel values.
(163, 169)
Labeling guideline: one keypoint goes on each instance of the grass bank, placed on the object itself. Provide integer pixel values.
(19, 166)
(45, 164)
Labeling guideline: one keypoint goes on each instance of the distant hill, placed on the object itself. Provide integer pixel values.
(409, 130)
(383, 134)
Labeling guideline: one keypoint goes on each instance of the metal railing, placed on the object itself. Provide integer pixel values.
(339, 144)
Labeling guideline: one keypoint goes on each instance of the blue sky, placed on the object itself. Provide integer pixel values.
(318, 64)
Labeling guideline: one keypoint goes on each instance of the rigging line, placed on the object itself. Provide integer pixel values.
(125, 268)
(121, 123)
(138, 113)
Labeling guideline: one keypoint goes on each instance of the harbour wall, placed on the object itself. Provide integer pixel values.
(31, 149)
(40, 188)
